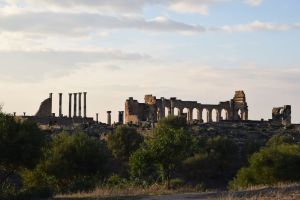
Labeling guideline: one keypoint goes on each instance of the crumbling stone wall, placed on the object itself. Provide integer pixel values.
(45, 109)
(154, 109)
(282, 115)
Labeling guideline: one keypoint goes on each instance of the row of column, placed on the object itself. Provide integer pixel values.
(75, 104)
(120, 117)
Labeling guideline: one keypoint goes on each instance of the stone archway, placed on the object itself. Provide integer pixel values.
(215, 115)
(224, 114)
(167, 111)
(195, 114)
(205, 115)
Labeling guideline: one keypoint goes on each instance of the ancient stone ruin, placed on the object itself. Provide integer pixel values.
(282, 115)
(45, 109)
(154, 109)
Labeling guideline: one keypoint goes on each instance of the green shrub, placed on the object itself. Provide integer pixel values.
(36, 193)
(174, 122)
(8, 191)
(74, 163)
(217, 160)
(116, 180)
(270, 165)
(200, 187)
(280, 139)
(176, 183)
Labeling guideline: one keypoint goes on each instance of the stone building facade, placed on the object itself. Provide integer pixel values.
(154, 109)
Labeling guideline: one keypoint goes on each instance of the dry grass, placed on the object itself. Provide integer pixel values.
(130, 191)
(276, 192)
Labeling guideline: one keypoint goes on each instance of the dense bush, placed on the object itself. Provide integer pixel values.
(175, 122)
(74, 162)
(20, 143)
(124, 141)
(280, 139)
(217, 160)
(270, 165)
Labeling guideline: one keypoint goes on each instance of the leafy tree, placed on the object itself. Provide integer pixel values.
(170, 146)
(20, 144)
(72, 159)
(165, 149)
(124, 141)
(270, 165)
(143, 166)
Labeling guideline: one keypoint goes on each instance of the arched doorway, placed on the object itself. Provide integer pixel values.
(195, 114)
(176, 111)
(167, 111)
(224, 114)
(185, 113)
(214, 114)
(205, 115)
(240, 114)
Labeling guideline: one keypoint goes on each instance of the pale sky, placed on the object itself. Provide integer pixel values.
(200, 50)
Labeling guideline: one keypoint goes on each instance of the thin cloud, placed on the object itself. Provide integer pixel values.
(257, 26)
(254, 2)
(15, 65)
(116, 6)
(84, 23)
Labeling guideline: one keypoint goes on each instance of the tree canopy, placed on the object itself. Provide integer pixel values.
(124, 141)
(20, 143)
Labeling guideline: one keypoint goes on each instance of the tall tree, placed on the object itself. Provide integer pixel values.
(20, 144)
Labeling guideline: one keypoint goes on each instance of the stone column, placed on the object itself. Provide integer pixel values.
(109, 118)
(84, 104)
(199, 115)
(169, 111)
(97, 118)
(208, 116)
(163, 109)
(180, 111)
(246, 115)
(15, 114)
(70, 105)
(190, 115)
(60, 105)
(50, 97)
(218, 116)
(24, 113)
(172, 108)
(75, 105)
(79, 104)
(121, 117)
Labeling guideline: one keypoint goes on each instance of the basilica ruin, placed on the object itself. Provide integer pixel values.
(234, 110)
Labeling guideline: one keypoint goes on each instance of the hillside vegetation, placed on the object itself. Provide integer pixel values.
(172, 157)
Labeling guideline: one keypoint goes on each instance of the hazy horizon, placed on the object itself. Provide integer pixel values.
(198, 50)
